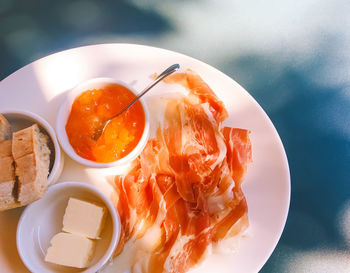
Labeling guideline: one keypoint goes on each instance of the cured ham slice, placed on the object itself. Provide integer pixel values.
(196, 149)
(201, 91)
(184, 192)
(239, 151)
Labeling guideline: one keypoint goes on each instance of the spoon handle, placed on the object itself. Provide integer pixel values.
(171, 69)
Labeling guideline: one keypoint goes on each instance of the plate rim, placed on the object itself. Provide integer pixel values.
(287, 176)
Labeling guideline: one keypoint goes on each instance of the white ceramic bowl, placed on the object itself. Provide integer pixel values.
(20, 119)
(41, 220)
(65, 110)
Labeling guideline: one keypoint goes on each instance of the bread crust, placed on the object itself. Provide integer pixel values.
(7, 184)
(5, 129)
(10, 205)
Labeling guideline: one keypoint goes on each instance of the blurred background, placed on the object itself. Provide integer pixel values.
(292, 56)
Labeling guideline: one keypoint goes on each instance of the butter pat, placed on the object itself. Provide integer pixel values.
(84, 218)
(70, 250)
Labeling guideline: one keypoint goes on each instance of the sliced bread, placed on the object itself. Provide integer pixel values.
(5, 129)
(32, 180)
(23, 142)
(32, 159)
(30, 140)
(7, 184)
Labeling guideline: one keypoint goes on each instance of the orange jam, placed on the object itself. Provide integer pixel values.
(90, 111)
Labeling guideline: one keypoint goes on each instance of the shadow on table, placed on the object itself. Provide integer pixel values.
(43, 26)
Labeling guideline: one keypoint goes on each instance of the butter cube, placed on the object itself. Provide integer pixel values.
(70, 250)
(84, 218)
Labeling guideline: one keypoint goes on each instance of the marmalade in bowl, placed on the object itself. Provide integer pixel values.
(91, 109)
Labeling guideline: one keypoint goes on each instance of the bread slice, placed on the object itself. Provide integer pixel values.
(32, 178)
(6, 169)
(7, 184)
(32, 158)
(23, 141)
(30, 140)
(5, 129)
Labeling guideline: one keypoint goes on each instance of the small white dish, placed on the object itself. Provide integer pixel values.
(65, 110)
(20, 119)
(41, 220)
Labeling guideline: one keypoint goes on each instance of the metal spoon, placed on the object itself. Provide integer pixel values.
(171, 69)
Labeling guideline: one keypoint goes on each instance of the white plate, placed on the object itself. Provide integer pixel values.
(40, 87)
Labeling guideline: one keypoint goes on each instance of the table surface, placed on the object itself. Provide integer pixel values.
(292, 56)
